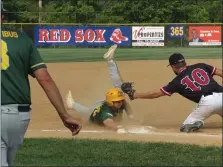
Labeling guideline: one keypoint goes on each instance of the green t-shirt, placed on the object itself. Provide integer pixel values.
(19, 58)
(103, 112)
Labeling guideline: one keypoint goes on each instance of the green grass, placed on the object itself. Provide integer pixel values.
(55, 152)
(96, 54)
(58, 152)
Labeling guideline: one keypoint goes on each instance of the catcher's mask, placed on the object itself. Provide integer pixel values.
(114, 94)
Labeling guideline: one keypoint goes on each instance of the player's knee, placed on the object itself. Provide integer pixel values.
(4, 161)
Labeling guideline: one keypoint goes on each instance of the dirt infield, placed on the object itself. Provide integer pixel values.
(89, 82)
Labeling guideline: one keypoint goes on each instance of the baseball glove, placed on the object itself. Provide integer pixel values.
(127, 87)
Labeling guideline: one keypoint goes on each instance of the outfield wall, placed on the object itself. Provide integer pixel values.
(125, 35)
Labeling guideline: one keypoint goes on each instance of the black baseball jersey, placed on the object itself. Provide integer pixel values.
(193, 82)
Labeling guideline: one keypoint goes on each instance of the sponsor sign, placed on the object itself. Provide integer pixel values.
(204, 35)
(147, 36)
(176, 31)
(82, 35)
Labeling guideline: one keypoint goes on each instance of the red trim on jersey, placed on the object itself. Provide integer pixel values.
(165, 92)
(213, 71)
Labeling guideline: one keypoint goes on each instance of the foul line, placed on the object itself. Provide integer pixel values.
(132, 132)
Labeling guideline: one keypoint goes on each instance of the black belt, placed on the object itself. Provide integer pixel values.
(207, 94)
(24, 108)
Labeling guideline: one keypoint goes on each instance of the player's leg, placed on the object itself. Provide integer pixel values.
(206, 107)
(114, 74)
(11, 154)
(4, 161)
(9, 125)
(14, 126)
(83, 110)
(24, 119)
(113, 68)
(218, 103)
(4, 137)
(71, 104)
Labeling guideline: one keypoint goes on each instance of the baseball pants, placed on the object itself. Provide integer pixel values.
(14, 124)
(208, 106)
(116, 81)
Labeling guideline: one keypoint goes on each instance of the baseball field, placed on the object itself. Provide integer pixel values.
(154, 139)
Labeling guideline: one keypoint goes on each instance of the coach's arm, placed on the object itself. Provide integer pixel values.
(51, 90)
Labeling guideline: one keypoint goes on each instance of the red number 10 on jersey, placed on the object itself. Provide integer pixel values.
(199, 77)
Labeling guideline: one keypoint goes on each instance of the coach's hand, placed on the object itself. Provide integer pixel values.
(72, 124)
(128, 89)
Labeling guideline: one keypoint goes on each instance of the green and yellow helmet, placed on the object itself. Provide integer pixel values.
(114, 94)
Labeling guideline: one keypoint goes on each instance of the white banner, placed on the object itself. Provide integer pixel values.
(147, 36)
(204, 43)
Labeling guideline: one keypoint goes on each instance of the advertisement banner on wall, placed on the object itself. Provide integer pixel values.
(147, 36)
(82, 36)
(176, 31)
(204, 35)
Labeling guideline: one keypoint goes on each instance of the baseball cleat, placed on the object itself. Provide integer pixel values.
(109, 55)
(69, 100)
(192, 127)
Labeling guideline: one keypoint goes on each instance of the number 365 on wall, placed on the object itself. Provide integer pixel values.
(176, 31)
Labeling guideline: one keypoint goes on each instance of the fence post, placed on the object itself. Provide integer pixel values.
(21, 28)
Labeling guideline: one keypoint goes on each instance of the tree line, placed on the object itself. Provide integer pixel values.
(114, 11)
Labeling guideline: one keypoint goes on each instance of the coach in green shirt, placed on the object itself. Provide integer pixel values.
(20, 58)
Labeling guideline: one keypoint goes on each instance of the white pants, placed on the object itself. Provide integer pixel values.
(207, 106)
(116, 81)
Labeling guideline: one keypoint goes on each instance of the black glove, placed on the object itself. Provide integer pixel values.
(128, 89)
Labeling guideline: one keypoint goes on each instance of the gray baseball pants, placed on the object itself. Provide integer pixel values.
(14, 123)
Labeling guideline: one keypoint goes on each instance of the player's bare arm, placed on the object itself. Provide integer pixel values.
(218, 72)
(110, 123)
(128, 89)
(51, 90)
(148, 95)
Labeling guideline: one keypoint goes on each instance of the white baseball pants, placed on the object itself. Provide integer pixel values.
(207, 106)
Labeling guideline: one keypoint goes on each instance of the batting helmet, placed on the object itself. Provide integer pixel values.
(112, 95)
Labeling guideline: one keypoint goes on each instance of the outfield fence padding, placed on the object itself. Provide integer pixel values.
(124, 35)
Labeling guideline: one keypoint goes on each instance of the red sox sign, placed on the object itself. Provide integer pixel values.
(83, 36)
